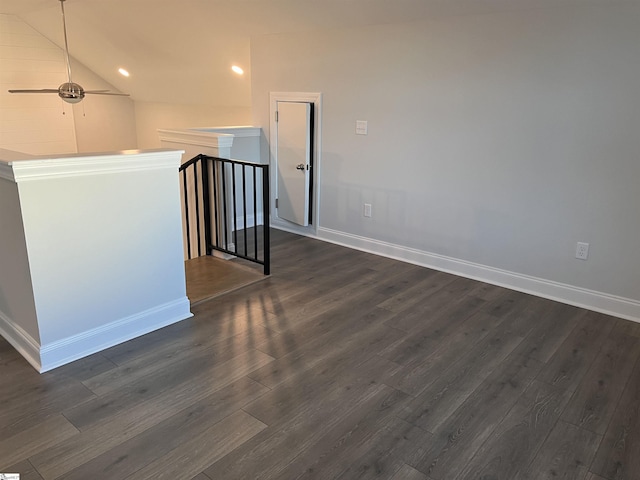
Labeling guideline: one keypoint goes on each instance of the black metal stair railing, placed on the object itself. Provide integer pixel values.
(225, 207)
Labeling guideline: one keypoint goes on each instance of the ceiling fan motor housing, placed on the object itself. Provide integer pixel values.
(71, 92)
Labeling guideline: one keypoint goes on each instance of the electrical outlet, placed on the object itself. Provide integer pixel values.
(582, 250)
(367, 210)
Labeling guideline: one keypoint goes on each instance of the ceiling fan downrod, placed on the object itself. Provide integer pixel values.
(66, 43)
(69, 91)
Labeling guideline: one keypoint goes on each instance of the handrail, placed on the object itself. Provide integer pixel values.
(220, 214)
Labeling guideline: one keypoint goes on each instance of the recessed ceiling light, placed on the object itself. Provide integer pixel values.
(237, 69)
(123, 72)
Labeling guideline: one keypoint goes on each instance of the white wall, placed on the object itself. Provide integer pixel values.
(35, 123)
(43, 123)
(16, 292)
(150, 117)
(104, 123)
(32, 123)
(496, 142)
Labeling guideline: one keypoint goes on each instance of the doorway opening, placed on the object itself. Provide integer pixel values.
(295, 139)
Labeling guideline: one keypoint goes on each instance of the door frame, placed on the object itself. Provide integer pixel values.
(314, 98)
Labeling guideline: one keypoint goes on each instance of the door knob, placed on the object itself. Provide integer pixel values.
(300, 166)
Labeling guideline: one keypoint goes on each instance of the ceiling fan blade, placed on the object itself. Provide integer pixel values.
(42, 90)
(106, 92)
(69, 91)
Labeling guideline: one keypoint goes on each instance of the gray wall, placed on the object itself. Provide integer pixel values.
(495, 142)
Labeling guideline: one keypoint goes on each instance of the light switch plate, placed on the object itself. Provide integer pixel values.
(361, 127)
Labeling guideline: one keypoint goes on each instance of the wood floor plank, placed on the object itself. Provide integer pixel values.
(593, 476)
(210, 349)
(86, 367)
(431, 330)
(317, 372)
(430, 305)
(201, 476)
(351, 439)
(431, 282)
(330, 343)
(576, 354)
(627, 327)
(127, 457)
(407, 472)
(503, 302)
(567, 453)
(203, 449)
(381, 456)
(117, 429)
(13, 368)
(201, 372)
(617, 457)
(488, 292)
(318, 317)
(432, 407)
(51, 392)
(208, 277)
(310, 390)
(554, 324)
(25, 469)
(462, 434)
(302, 308)
(597, 396)
(269, 452)
(414, 377)
(405, 280)
(516, 440)
(22, 445)
(226, 323)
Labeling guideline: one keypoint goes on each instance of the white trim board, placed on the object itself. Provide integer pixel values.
(24, 343)
(626, 308)
(39, 168)
(47, 357)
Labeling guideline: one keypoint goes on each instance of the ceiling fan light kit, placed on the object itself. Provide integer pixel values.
(69, 91)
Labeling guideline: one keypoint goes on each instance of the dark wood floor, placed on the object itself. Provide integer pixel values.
(341, 365)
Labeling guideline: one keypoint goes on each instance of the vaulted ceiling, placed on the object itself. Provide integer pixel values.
(181, 51)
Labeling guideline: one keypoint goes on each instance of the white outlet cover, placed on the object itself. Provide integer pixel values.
(582, 250)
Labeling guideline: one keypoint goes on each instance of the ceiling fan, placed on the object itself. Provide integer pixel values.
(69, 91)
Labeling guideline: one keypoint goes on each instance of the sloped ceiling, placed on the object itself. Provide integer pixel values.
(181, 51)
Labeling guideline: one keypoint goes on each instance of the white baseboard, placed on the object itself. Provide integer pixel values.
(626, 308)
(55, 354)
(308, 231)
(24, 343)
(251, 220)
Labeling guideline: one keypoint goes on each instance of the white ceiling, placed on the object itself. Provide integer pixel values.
(181, 51)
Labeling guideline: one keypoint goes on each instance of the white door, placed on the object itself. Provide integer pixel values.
(293, 160)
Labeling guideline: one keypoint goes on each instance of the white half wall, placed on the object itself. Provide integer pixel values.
(16, 292)
(497, 141)
(101, 248)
